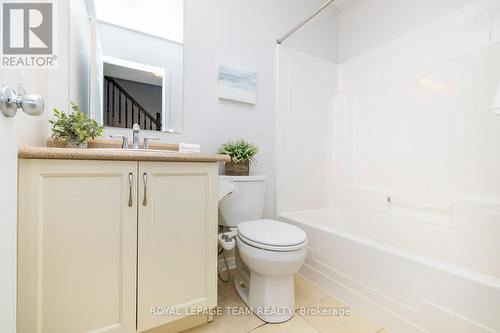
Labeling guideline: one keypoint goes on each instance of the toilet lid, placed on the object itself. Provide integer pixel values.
(272, 233)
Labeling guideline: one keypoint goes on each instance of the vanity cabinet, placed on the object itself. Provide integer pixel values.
(101, 243)
(177, 239)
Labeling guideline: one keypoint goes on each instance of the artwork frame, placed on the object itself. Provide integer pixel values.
(237, 81)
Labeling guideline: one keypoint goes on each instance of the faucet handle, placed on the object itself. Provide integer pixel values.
(146, 142)
(124, 140)
(136, 127)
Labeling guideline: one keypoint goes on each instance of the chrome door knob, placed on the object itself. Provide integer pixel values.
(8, 101)
(32, 105)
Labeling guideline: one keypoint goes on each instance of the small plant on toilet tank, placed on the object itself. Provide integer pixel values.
(241, 153)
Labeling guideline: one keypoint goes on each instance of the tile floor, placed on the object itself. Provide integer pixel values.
(307, 296)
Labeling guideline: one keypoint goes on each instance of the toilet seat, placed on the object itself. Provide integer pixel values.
(271, 247)
(272, 235)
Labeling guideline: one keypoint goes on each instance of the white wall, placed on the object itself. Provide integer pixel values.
(319, 37)
(144, 16)
(366, 24)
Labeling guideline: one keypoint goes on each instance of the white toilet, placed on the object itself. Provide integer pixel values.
(268, 253)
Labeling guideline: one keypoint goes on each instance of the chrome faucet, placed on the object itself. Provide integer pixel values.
(135, 136)
(136, 129)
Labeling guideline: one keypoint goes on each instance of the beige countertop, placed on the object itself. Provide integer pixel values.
(116, 154)
(113, 143)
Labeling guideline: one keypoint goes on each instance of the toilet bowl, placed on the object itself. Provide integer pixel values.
(268, 253)
(273, 252)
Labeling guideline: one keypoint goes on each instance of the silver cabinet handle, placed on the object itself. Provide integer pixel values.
(145, 200)
(130, 181)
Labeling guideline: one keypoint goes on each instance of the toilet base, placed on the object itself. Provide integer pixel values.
(272, 299)
(241, 289)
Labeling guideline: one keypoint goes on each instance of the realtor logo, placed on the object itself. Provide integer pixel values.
(27, 28)
(27, 34)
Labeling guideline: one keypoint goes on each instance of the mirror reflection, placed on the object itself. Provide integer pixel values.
(135, 63)
(133, 93)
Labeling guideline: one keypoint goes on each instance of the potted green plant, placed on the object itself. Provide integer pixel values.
(76, 128)
(241, 153)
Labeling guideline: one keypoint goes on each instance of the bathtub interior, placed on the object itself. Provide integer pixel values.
(464, 234)
(400, 290)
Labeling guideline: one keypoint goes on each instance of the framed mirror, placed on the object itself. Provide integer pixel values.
(134, 62)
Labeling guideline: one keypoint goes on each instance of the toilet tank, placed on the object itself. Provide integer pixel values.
(245, 203)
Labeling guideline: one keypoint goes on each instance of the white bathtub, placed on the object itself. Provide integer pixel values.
(411, 269)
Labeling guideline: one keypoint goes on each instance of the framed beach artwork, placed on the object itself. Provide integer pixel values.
(238, 82)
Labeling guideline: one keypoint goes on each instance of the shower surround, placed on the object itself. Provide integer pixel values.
(389, 161)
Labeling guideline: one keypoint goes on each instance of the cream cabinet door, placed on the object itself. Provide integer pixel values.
(177, 240)
(77, 246)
